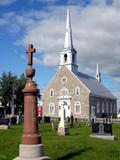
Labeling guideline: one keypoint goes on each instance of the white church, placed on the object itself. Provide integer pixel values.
(81, 94)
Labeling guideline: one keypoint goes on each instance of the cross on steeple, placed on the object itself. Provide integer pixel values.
(30, 51)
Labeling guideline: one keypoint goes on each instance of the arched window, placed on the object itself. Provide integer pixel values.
(52, 108)
(65, 58)
(107, 107)
(111, 107)
(103, 107)
(51, 92)
(114, 109)
(77, 107)
(77, 91)
(64, 91)
(98, 107)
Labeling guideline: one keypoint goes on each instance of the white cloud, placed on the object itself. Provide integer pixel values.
(6, 2)
(96, 35)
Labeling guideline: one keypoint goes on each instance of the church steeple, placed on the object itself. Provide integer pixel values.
(68, 55)
(68, 32)
(98, 76)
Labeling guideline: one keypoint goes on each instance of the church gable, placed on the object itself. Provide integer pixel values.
(65, 83)
(65, 78)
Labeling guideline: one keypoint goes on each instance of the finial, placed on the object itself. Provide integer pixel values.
(68, 32)
(98, 77)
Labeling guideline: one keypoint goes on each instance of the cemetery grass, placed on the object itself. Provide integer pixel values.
(77, 146)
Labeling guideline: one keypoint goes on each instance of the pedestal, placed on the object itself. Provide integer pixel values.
(63, 128)
(62, 131)
(31, 152)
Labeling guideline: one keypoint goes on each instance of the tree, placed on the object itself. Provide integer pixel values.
(6, 84)
(11, 91)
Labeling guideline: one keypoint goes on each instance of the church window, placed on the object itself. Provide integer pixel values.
(65, 58)
(51, 92)
(73, 58)
(98, 107)
(77, 91)
(107, 107)
(111, 107)
(52, 108)
(64, 92)
(64, 79)
(103, 107)
(114, 108)
(78, 108)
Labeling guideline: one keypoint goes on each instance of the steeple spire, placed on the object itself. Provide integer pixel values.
(68, 55)
(68, 32)
(98, 76)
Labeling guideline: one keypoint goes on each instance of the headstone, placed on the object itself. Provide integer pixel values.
(71, 120)
(102, 130)
(63, 126)
(4, 123)
(31, 147)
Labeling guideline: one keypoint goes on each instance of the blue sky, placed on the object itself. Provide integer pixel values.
(96, 37)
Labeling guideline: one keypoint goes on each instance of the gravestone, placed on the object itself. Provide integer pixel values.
(71, 120)
(102, 130)
(63, 126)
(4, 123)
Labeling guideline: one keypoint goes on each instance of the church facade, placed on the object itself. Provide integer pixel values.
(81, 95)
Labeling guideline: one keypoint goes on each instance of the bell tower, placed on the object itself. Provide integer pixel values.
(68, 55)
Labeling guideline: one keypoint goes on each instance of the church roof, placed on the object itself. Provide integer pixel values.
(95, 87)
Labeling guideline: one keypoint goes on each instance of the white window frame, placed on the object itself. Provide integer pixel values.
(52, 91)
(51, 105)
(64, 90)
(77, 91)
(98, 106)
(76, 108)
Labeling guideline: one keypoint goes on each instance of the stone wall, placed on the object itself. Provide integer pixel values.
(109, 112)
(71, 84)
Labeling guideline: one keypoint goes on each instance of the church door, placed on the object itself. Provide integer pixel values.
(67, 110)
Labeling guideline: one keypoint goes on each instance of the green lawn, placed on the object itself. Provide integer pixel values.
(77, 146)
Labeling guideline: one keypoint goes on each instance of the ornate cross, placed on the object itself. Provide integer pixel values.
(30, 52)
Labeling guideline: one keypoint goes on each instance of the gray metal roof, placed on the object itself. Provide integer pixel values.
(95, 87)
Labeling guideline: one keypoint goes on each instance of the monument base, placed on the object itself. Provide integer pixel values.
(62, 131)
(105, 137)
(31, 152)
(4, 127)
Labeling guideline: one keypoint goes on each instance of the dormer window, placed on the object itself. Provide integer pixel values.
(65, 58)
